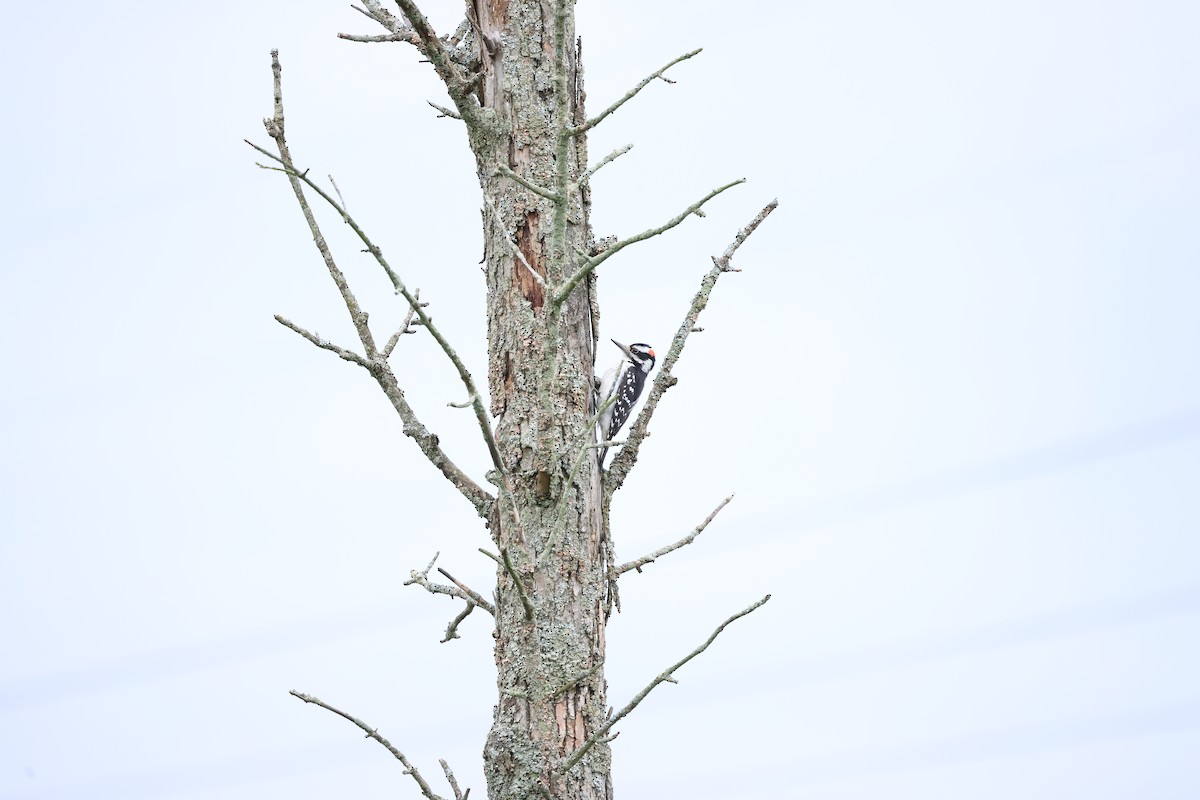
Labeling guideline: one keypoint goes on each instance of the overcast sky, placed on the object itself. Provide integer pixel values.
(955, 389)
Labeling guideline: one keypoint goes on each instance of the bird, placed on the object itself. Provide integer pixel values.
(623, 383)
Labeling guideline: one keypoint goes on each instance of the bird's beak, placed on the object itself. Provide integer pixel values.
(624, 349)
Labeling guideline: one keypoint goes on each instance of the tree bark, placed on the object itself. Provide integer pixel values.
(549, 655)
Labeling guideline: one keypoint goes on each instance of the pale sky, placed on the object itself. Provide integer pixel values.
(955, 389)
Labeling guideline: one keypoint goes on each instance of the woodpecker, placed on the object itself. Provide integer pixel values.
(624, 383)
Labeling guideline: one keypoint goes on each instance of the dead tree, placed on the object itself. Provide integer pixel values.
(513, 74)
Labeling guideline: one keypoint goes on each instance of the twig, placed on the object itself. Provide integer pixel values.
(400, 32)
(578, 679)
(471, 595)
(457, 82)
(405, 327)
(409, 37)
(341, 199)
(459, 33)
(615, 476)
(275, 129)
(662, 551)
(642, 84)
(666, 675)
(504, 170)
(372, 733)
(381, 15)
(458, 795)
(563, 293)
(348, 355)
(452, 628)
(461, 591)
(613, 156)
(512, 573)
(444, 112)
(516, 251)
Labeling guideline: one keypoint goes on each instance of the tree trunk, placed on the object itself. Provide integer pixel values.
(513, 71)
(549, 634)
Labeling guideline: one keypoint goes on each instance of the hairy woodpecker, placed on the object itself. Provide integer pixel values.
(623, 383)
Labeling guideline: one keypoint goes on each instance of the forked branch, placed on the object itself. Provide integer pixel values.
(324, 344)
(618, 471)
(414, 302)
(459, 590)
(404, 329)
(372, 359)
(666, 676)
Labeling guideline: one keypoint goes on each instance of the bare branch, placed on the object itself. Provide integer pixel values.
(613, 156)
(452, 628)
(666, 675)
(504, 170)
(458, 84)
(461, 591)
(379, 368)
(399, 30)
(516, 251)
(445, 112)
(512, 573)
(595, 261)
(341, 199)
(275, 128)
(578, 679)
(459, 34)
(722, 262)
(348, 355)
(642, 84)
(405, 328)
(464, 375)
(409, 36)
(662, 551)
(458, 795)
(372, 733)
(470, 594)
(429, 443)
(623, 463)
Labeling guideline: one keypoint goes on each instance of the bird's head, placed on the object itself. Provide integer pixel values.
(639, 353)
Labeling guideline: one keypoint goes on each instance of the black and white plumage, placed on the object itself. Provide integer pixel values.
(623, 383)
